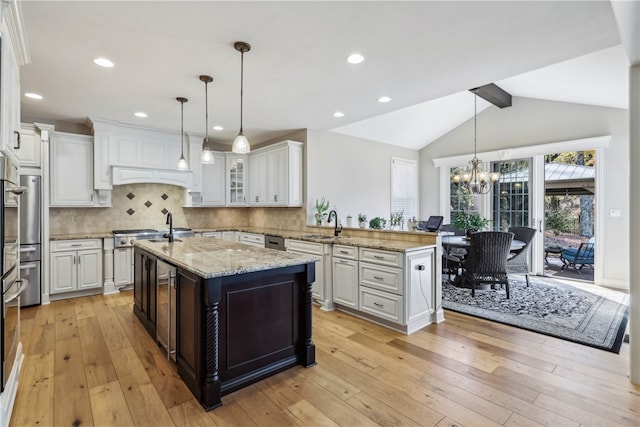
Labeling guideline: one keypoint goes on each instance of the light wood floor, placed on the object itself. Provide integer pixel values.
(89, 362)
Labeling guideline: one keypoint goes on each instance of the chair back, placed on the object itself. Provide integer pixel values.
(488, 252)
(524, 234)
(519, 261)
(585, 253)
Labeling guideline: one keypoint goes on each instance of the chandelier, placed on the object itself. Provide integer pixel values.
(474, 179)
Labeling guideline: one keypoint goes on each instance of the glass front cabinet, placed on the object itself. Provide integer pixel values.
(237, 179)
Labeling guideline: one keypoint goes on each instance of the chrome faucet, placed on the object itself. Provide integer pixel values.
(169, 235)
(338, 228)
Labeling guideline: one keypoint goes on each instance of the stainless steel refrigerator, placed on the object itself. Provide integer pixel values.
(30, 238)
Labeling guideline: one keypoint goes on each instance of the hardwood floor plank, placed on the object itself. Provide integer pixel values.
(381, 413)
(65, 320)
(98, 366)
(126, 362)
(260, 408)
(35, 391)
(84, 308)
(190, 413)
(306, 415)
(575, 413)
(231, 414)
(42, 340)
(71, 405)
(516, 420)
(109, 406)
(144, 402)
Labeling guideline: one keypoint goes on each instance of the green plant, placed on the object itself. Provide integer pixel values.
(322, 206)
(362, 217)
(397, 218)
(377, 223)
(469, 220)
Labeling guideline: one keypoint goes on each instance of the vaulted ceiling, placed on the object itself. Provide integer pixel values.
(423, 55)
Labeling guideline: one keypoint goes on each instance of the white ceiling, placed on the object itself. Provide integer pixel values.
(296, 75)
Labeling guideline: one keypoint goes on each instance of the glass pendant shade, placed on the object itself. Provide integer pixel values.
(241, 144)
(182, 162)
(206, 157)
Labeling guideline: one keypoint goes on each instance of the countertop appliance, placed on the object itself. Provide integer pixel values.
(30, 238)
(126, 238)
(166, 307)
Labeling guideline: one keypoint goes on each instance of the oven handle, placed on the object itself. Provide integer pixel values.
(23, 286)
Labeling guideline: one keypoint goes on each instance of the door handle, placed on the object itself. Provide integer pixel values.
(17, 140)
(28, 249)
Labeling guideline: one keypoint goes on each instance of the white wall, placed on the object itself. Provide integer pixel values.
(354, 174)
(532, 122)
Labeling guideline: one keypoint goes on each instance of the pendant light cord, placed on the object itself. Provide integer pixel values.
(475, 124)
(181, 129)
(241, 86)
(206, 113)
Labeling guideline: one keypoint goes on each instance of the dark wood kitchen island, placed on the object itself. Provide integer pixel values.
(242, 313)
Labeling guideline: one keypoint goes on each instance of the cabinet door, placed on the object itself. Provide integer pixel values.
(213, 182)
(236, 184)
(63, 271)
(89, 269)
(277, 173)
(153, 291)
(30, 149)
(10, 97)
(258, 179)
(317, 288)
(420, 287)
(71, 170)
(123, 262)
(139, 277)
(345, 282)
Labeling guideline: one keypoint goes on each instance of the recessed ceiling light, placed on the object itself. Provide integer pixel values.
(33, 95)
(140, 114)
(355, 58)
(218, 128)
(103, 62)
(338, 114)
(384, 99)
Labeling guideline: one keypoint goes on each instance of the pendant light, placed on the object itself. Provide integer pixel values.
(206, 157)
(476, 181)
(241, 143)
(182, 163)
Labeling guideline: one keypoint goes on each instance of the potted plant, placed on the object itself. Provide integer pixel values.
(349, 221)
(362, 220)
(397, 220)
(322, 206)
(378, 223)
(469, 221)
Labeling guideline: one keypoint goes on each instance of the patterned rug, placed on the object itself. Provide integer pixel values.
(548, 307)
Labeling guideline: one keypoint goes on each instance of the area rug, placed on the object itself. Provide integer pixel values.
(548, 307)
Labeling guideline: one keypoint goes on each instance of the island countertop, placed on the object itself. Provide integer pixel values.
(210, 258)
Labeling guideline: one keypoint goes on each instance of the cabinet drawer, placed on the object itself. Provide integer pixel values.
(380, 257)
(251, 239)
(74, 245)
(381, 304)
(303, 246)
(344, 251)
(216, 234)
(383, 278)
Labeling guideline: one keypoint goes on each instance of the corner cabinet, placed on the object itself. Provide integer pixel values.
(276, 175)
(236, 179)
(71, 162)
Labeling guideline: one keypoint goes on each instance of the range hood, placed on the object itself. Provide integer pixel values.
(136, 175)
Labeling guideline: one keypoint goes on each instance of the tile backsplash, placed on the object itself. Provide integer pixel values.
(146, 205)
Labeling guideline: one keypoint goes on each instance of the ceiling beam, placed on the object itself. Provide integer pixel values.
(494, 94)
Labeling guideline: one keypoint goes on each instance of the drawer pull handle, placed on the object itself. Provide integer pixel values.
(76, 245)
(377, 304)
(378, 257)
(343, 261)
(344, 252)
(378, 277)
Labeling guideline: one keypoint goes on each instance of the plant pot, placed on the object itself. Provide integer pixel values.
(349, 222)
(319, 219)
(362, 224)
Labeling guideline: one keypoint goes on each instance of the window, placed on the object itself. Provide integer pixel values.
(404, 187)
(460, 199)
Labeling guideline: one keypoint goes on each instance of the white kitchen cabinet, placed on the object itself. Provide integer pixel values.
(71, 170)
(123, 267)
(12, 55)
(236, 179)
(345, 275)
(76, 265)
(258, 179)
(252, 239)
(321, 288)
(213, 181)
(229, 236)
(216, 234)
(276, 171)
(30, 147)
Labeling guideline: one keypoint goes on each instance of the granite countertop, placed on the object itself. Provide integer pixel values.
(93, 235)
(383, 244)
(210, 258)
